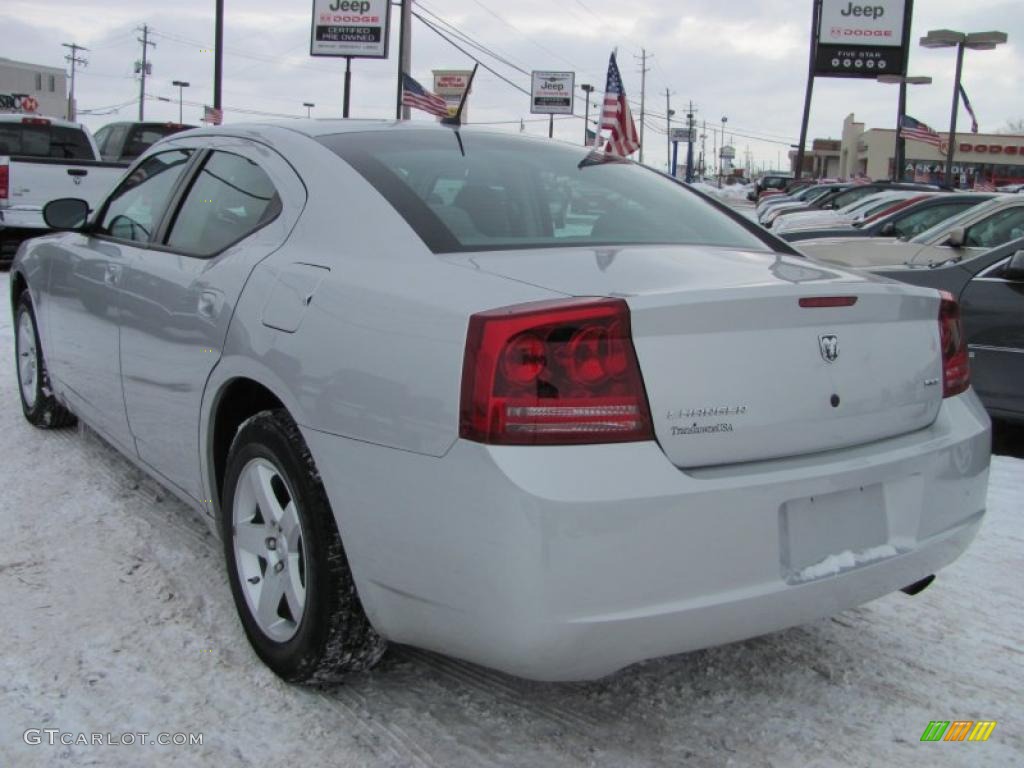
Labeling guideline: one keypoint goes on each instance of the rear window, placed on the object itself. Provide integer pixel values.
(56, 141)
(496, 192)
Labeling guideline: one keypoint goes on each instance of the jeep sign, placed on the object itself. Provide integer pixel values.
(354, 28)
(552, 93)
(862, 38)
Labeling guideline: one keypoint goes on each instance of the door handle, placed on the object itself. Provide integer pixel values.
(77, 172)
(112, 274)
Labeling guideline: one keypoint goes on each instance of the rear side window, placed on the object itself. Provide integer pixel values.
(33, 140)
(138, 204)
(493, 192)
(230, 198)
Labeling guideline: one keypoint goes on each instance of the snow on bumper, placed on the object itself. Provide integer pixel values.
(567, 563)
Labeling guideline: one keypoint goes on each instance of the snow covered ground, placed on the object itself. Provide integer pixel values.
(116, 617)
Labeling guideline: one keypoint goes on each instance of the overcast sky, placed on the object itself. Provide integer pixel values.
(744, 59)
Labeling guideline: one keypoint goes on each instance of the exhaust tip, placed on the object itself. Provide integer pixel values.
(918, 586)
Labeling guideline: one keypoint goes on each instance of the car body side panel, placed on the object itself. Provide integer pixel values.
(175, 315)
(993, 310)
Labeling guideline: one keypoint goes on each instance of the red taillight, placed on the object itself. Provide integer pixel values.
(5, 180)
(956, 370)
(552, 373)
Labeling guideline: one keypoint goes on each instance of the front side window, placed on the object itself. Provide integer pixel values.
(493, 192)
(997, 229)
(230, 198)
(138, 204)
(916, 222)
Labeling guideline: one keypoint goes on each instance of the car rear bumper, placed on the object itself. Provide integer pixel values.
(22, 217)
(567, 563)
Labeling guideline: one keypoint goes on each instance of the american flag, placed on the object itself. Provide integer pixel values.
(213, 116)
(616, 116)
(918, 131)
(416, 96)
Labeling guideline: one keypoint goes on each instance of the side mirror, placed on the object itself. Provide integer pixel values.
(956, 237)
(888, 230)
(67, 213)
(1015, 268)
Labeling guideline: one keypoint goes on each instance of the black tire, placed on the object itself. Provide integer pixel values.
(45, 411)
(333, 637)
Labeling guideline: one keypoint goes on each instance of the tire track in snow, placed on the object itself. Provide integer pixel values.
(497, 686)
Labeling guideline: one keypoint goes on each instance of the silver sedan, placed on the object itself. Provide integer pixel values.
(549, 411)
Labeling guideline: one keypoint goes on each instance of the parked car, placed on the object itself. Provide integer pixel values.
(442, 420)
(990, 289)
(798, 197)
(123, 142)
(970, 233)
(841, 198)
(771, 181)
(853, 213)
(41, 159)
(905, 223)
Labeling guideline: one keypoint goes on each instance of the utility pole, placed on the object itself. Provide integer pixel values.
(644, 69)
(143, 68)
(689, 144)
(668, 130)
(703, 147)
(74, 59)
(218, 56)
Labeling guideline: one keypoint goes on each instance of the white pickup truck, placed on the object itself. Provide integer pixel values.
(42, 159)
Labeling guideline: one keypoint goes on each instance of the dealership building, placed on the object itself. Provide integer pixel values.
(978, 158)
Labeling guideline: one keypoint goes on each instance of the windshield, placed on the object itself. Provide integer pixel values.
(493, 192)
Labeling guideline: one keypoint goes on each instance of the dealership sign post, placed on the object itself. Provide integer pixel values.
(354, 29)
(551, 94)
(855, 38)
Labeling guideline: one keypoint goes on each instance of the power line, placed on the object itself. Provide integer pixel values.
(455, 45)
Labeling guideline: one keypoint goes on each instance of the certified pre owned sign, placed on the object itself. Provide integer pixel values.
(861, 39)
(356, 28)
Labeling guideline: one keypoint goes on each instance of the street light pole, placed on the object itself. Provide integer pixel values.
(947, 38)
(182, 85)
(951, 142)
(588, 89)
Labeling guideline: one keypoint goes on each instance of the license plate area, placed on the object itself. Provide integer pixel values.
(817, 527)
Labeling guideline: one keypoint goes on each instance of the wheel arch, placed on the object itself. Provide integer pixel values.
(237, 399)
